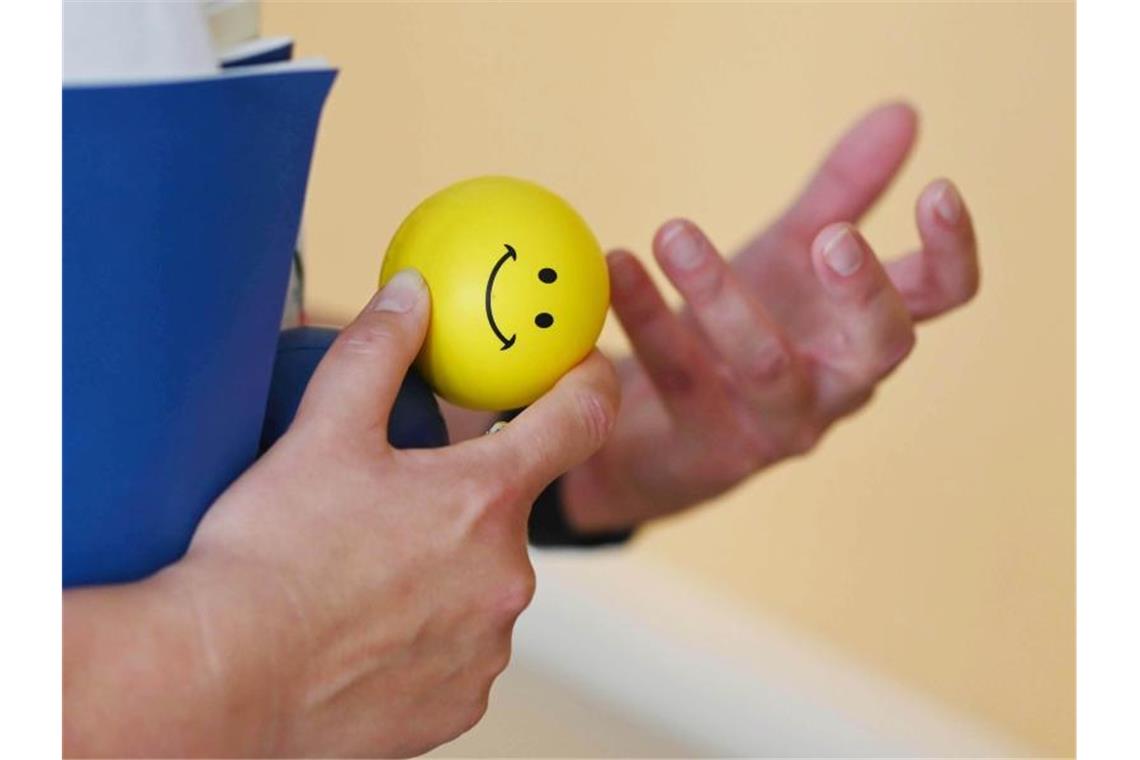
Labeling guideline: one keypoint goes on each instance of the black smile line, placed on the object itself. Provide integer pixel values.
(510, 254)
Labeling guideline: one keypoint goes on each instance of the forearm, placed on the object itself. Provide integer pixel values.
(172, 665)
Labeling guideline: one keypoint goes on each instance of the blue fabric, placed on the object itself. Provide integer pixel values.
(181, 203)
(415, 421)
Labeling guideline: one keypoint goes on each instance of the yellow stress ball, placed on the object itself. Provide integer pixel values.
(519, 289)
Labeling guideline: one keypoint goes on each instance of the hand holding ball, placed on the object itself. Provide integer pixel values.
(519, 289)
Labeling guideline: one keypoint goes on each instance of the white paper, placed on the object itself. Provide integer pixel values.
(135, 40)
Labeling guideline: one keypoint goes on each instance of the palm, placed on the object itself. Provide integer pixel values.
(782, 280)
(723, 406)
(678, 462)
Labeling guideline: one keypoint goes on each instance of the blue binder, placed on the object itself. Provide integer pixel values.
(181, 204)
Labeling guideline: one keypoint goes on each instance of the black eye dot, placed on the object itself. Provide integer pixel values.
(547, 275)
(543, 320)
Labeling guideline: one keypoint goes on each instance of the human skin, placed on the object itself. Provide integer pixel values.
(369, 617)
(772, 345)
(342, 597)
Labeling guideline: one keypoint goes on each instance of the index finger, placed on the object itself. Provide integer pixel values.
(856, 171)
(557, 432)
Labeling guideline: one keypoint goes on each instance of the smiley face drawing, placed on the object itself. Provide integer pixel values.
(519, 289)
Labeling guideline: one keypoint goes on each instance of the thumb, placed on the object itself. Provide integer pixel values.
(555, 433)
(356, 383)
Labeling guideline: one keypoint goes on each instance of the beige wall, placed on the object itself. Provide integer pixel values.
(932, 536)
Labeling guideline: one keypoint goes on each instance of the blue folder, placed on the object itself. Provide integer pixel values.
(181, 205)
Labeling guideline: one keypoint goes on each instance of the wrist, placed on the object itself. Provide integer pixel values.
(170, 665)
(243, 644)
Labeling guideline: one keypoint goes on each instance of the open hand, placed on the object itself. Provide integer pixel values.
(775, 345)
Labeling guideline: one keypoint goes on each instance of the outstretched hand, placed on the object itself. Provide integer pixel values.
(774, 345)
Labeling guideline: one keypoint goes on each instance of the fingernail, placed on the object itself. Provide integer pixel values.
(401, 293)
(843, 253)
(947, 204)
(681, 245)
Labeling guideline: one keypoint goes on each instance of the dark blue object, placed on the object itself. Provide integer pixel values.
(414, 423)
(181, 204)
(282, 51)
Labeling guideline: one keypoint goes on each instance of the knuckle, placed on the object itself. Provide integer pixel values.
(499, 659)
(515, 594)
(904, 345)
(871, 294)
(759, 451)
(704, 283)
(504, 660)
(595, 417)
(370, 336)
(803, 440)
(867, 373)
(474, 710)
(845, 404)
(971, 284)
(839, 341)
(675, 380)
(743, 462)
(746, 452)
(766, 362)
(955, 282)
(894, 352)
